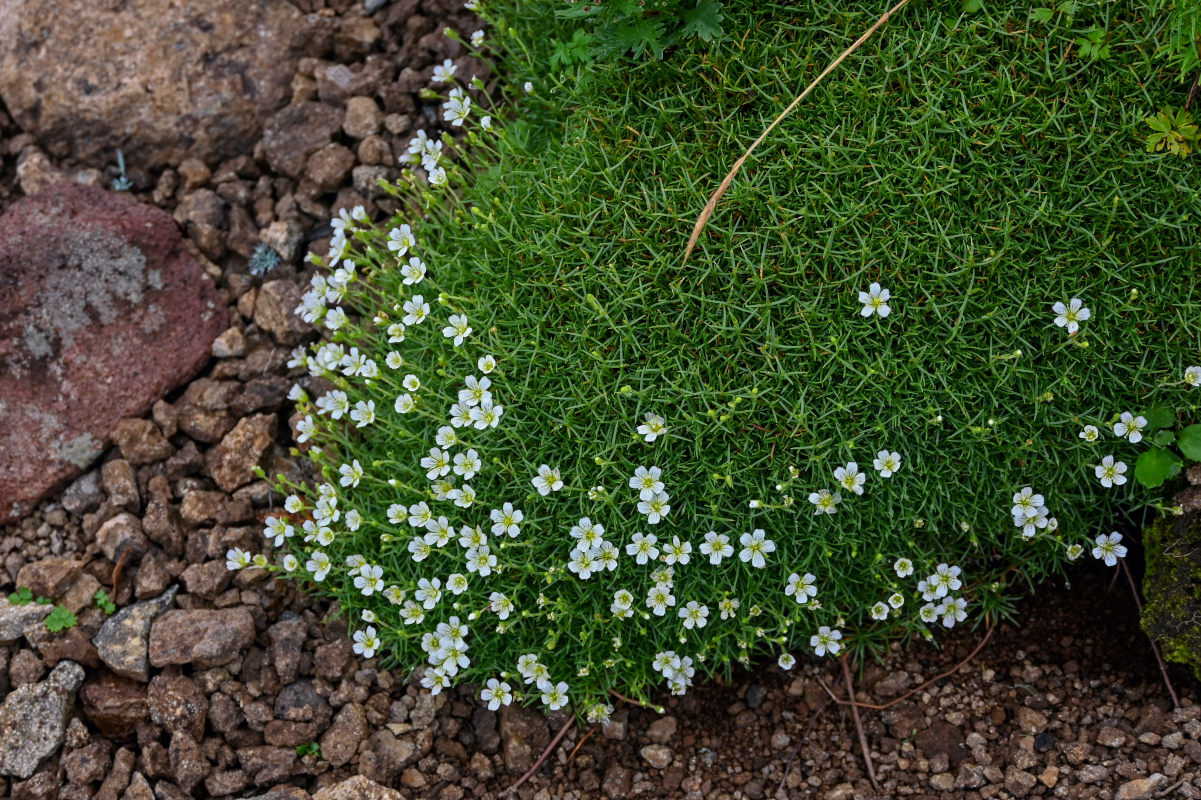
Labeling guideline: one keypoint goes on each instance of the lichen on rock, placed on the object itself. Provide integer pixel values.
(1172, 585)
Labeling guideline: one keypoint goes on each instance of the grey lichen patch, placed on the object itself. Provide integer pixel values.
(80, 451)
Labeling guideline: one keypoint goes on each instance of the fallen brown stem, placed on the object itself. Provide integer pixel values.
(808, 730)
(634, 702)
(117, 571)
(912, 692)
(867, 753)
(550, 748)
(711, 206)
(1163, 668)
(580, 744)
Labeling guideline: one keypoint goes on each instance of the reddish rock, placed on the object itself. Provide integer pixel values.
(232, 462)
(101, 313)
(161, 79)
(49, 577)
(113, 704)
(205, 638)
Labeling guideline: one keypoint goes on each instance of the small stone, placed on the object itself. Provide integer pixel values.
(296, 132)
(84, 495)
(1141, 788)
(264, 764)
(230, 344)
(616, 783)
(188, 764)
(1110, 737)
(232, 462)
(357, 788)
(49, 577)
(201, 637)
(118, 777)
(195, 173)
(657, 755)
(177, 704)
(15, 619)
(524, 734)
(413, 778)
(113, 704)
(662, 730)
(366, 179)
(121, 484)
(141, 442)
(25, 667)
(138, 788)
(362, 117)
(33, 720)
(942, 781)
(1043, 742)
(122, 642)
(88, 764)
(1031, 721)
(342, 739)
(287, 640)
(329, 166)
(1049, 777)
(618, 726)
(121, 538)
(273, 312)
(1019, 782)
(284, 237)
(81, 594)
(206, 580)
(1092, 773)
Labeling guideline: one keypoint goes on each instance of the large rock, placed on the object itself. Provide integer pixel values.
(122, 642)
(1172, 615)
(202, 637)
(101, 313)
(15, 619)
(162, 79)
(33, 720)
(357, 788)
(113, 704)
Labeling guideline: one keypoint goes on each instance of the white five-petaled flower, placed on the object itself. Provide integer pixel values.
(677, 552)
(477, 38)
(457, 329)
(506, 520)
(366, 643)
(416, 310)
(801, 587)
(413, 272)
(659, 598)
(236, 558)
(554, 696)
(825, 502)
(1108, 548)
(445, 71)
(647, 480)
(850, 478)
(786, 661)
(370, 579)
(654, 427)
(1090, 433)
(1071, 315)
(437, 176)
(351, 473)
(642, 547)
(1192, 376)
(401, 240)
(318, 564)
(879, 611)
(903, 567)
(548, 480)
(486, 364)
(717, 546)
(826, 641)
(457, 108)
(755, 547)
(887, 463)
(1130, 426)
(363, 413)
(875, 301)
(1026, 504)
(694, 614)
(496, 694)
(1111, 473)
(655, 508)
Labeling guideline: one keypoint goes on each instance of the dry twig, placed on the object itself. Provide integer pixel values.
(550, 748)
(711, 206)
(1163, 668)
(808, 730)
(867, 753)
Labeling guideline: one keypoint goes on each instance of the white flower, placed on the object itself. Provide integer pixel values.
(801, 587)
(335, 319)
(436, 464)
(528, 86)
(506, 520)
(437, 176)
(496, 694)
(1026, 504)
(928, 612)
(755, 547)
(717, 546)
(366, 643)
(463, 496)
(1090, 433)
(481, 560)
(646, 480)
(694, 615)
(290, 563)
(476, 391)
(1075, 551)
(728, 607)
(896, 600)
(1071, 315)
(485, 415)
(945, 579)
(351, 473)
(416, 310)
(460, 415)
(1192, 376)
(879, 611)
(850, 478)
(1130, 426)
(677, 552)
(429, 592)
(826, 641)
(400, 240)
(236, 558)
(653, 428)
(1108, 549)
(622, 603)
(486, 123)
(952, 610)
(554, 696)
(643, 547)
(486, 364)
(277, 530)
(786, 661)
(318, 564)
(824, 502)
(903, 567)
(659, 598)
(655, 508)
(363, 413)
(413, 272)
(305, 429)
(477, 38)
(547, 480)
(1111, 473)
(500, 605)
(457, 329)
(404, 403)
(887, 463)
(446, 437)
(468, 464)
(457, 108)
(411, 382)
(369, 580)
(396, 333)
(582, 563)
(444, 72)
(875, 301)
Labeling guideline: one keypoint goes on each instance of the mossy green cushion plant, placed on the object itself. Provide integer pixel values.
(883, 398)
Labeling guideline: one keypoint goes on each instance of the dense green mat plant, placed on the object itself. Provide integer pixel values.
(943, 303)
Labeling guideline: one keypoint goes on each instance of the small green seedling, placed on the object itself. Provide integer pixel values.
(23, 596)
(310, 749)
(104, 603)
(60, 619)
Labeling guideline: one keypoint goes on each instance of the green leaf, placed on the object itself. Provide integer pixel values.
(1042, 15)
(60, 619)
(1155, 466)
(23, 596)
(972, 6)
(1163, 438)
(1160, 417)
(103, 602)
(1190, 442)
(704, 21)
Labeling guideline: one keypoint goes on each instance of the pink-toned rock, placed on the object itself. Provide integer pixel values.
(162, 79)
(101, 313)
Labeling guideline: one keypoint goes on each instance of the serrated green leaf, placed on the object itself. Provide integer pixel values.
(23, 596)
(972, 6)
(60, 619)
(703, 22)
(1189, 442)
(1043, 15)
(1154, 467)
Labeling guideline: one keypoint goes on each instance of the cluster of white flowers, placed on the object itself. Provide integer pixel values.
(848, 477)
(653, 501)
(1030, 515)
(676, 670)
(554, 695)
(590, 552)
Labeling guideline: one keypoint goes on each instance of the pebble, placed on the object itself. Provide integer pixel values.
(1141, 788)
(33, 719)
(201, 637)
(657, 755)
